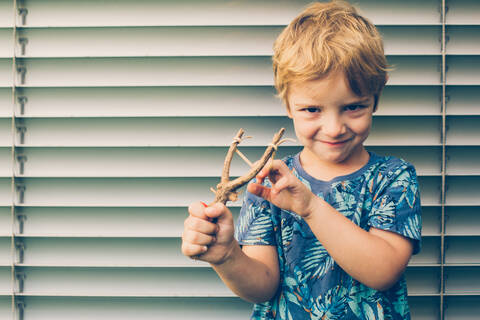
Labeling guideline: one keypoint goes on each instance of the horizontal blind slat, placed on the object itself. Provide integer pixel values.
(90, 222)
(146, 192)
(132, 252)
(431, 221)
(196, 41)
(5, 251)
(463, 191)
(6, 42)
(158, 162)
(463, 100)
(463, 160)
(422, 280)
(430, 252)
(5, 102)
(5, 132)
(465, 308)
(463, 70)
(5, 222)
(5, 281)
(462, 221)
(400, 131)
(463, 40)
(462, 250)
(6, 78)
(161, 282)
(5, 162)
(462, 280)
(73, 308)
(189, 71)
(463, 12)
(204, 101)
(111, 282)
(5, 191)
(6, 14)
(149, 41)
(148, 12)
(463, 131)
(424, 308)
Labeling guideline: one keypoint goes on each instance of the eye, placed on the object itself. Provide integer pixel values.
(312, 109)
(354, 107)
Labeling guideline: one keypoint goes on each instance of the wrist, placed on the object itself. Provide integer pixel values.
(229, 256)
(312, 207)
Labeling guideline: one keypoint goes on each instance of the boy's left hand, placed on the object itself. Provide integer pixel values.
(287, 191)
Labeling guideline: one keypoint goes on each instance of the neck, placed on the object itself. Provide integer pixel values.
(327, 170)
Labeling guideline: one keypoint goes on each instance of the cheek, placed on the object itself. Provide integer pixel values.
(361, 128)
(304, 129)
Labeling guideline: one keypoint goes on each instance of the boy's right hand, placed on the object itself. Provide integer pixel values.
(208, 233)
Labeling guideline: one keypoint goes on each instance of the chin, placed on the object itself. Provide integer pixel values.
(333, 158)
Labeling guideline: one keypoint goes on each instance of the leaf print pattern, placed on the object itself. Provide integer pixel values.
(255, 222)
(384, 194)
(332, 305)
(315, 262)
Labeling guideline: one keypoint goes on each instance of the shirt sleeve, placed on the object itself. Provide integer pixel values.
(254, 225)
(396, 204)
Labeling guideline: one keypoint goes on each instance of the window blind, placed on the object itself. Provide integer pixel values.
(115, 115)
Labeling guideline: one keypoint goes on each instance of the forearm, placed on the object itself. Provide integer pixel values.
(366, 257)
(248, 277)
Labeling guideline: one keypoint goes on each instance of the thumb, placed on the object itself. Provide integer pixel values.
(259, 190)
(219, 212)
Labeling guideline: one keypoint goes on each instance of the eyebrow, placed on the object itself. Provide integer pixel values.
(362, 101)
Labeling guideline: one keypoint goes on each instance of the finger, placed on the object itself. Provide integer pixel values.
(200, 225)
(281, 184)
(198, 238)
(259, 191)
(197, 209)
(262, 174)
(193, 250)
(280, 168)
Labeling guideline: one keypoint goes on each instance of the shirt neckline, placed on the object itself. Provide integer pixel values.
(298, 167)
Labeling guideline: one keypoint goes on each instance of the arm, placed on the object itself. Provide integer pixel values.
(375, 257)
(252, 272)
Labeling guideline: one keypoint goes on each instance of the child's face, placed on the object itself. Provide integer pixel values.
(330, 121)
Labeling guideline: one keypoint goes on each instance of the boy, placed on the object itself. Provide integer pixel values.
(326, 233)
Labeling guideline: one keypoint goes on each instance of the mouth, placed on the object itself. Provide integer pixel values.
(335, 143)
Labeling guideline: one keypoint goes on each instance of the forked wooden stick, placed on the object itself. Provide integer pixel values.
(226, 189)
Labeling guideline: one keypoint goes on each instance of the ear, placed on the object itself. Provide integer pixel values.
(289, 113)
(375, 103)
(287, 108)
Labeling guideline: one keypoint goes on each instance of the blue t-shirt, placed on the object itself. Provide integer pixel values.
(383, 194)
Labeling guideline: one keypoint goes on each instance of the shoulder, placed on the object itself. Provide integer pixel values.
(390, 168)
(390, 164)
(387, 174)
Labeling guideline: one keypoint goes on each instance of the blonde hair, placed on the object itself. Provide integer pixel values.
(328, 37)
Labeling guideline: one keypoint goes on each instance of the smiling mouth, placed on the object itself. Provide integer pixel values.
(336, 143)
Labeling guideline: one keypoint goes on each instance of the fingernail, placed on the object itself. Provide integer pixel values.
(204, 204)
(205, 248)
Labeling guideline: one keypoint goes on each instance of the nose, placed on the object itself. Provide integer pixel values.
(333, 126)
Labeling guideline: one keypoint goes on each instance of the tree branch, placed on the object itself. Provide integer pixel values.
(226, 189)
